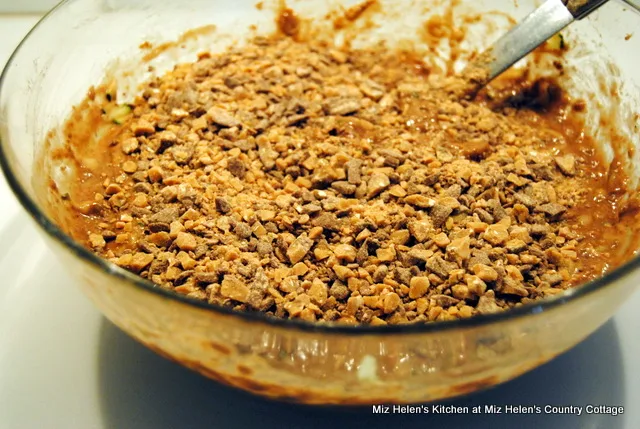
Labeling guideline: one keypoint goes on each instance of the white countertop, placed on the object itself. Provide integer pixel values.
(63, 366)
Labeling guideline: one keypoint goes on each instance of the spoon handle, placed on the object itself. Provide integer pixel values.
(535, 29)
(530, 33)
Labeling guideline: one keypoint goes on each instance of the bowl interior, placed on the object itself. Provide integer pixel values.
(110, 33)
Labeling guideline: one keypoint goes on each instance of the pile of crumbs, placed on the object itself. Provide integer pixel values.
(326, 184)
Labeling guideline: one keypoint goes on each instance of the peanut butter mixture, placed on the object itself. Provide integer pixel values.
(339, 185)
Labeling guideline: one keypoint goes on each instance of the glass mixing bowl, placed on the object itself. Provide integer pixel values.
(80, 41)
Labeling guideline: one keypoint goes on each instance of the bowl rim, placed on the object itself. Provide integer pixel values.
(118, 273)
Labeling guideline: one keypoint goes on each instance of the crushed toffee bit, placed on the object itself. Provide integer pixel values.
(339, 185)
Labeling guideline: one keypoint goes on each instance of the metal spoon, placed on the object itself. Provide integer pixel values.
(535, 29)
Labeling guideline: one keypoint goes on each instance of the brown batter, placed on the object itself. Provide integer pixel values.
(310, 181)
